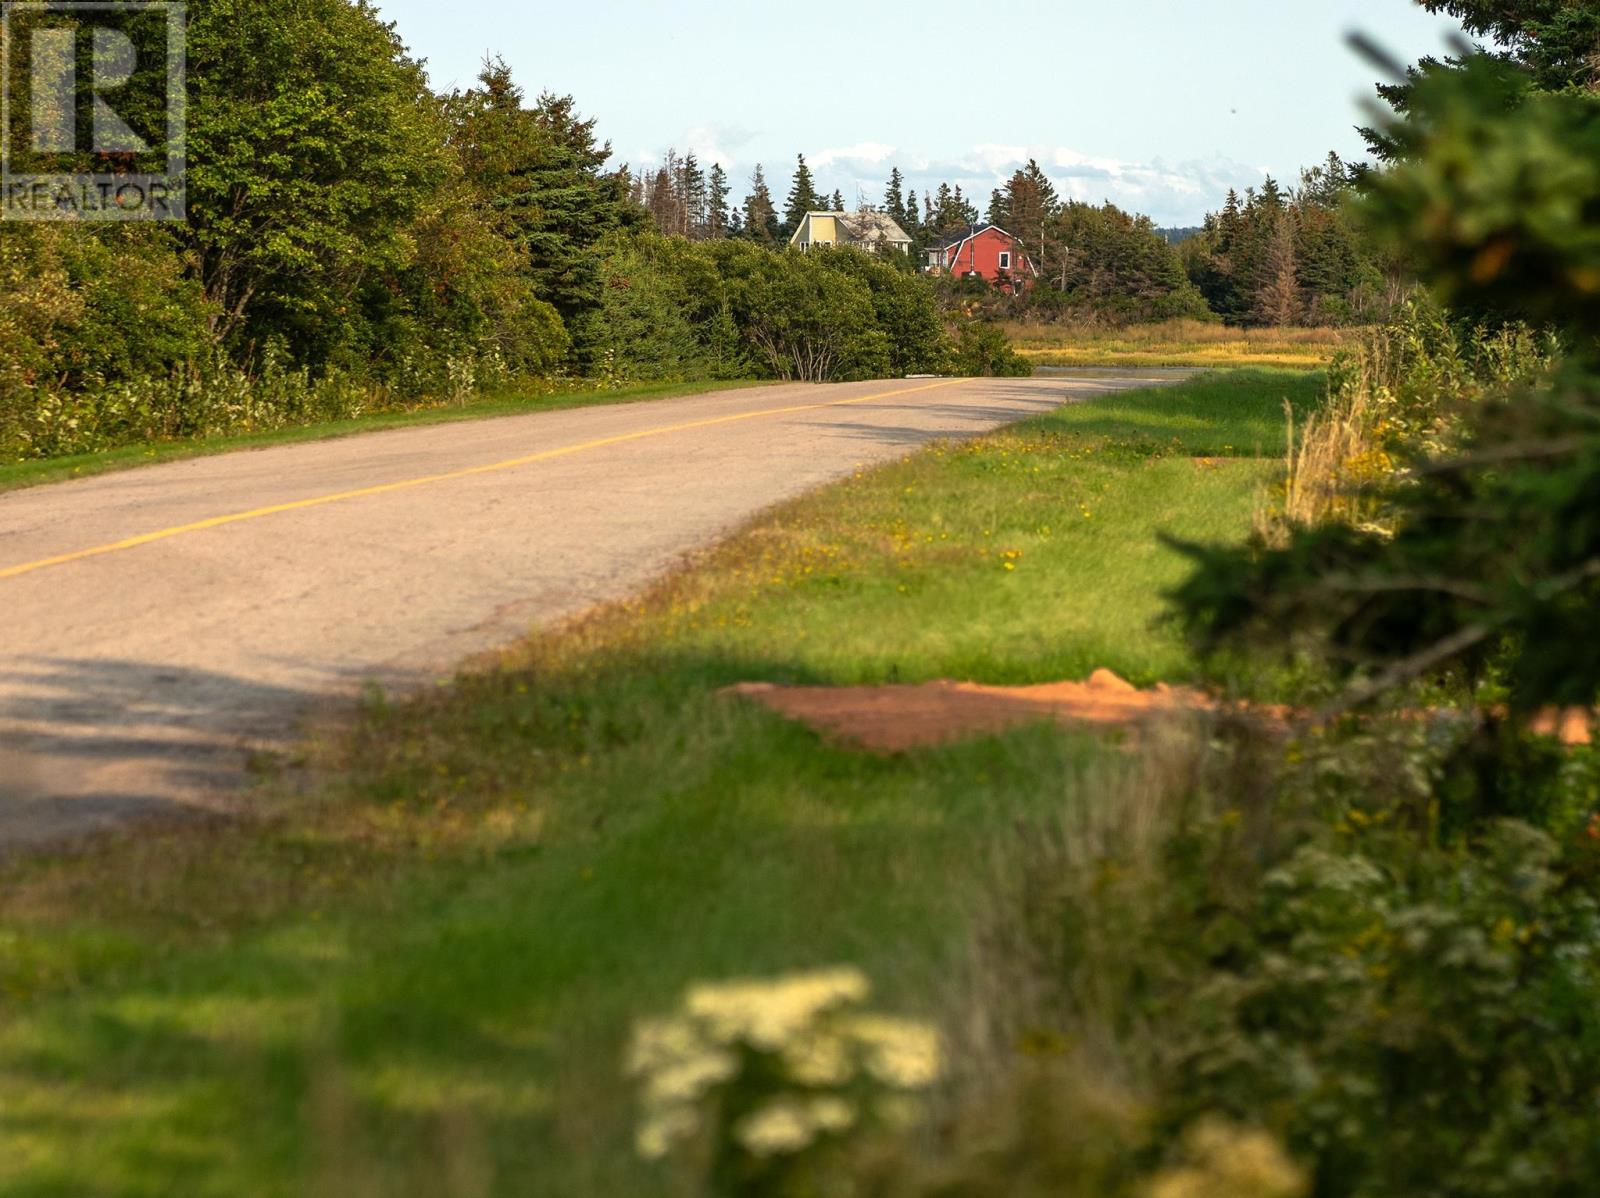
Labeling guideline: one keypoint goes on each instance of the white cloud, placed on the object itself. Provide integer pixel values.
(1177, 193)
(717, 142)
(862, 154)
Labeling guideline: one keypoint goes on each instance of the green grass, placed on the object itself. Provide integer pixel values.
(417, 978)
(14, 475)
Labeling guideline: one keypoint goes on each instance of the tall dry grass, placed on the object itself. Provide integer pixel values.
(1398, 393)
(1176, 343)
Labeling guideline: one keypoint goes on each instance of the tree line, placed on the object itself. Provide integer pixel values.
(1272, 256)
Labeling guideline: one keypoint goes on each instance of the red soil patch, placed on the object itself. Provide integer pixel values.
(891, 719)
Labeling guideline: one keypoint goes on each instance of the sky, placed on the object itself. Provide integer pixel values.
(1156, 105)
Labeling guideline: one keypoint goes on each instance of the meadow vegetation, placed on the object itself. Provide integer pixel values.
(1177, 343)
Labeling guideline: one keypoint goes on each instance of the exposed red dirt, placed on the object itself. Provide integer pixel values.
(891, 719)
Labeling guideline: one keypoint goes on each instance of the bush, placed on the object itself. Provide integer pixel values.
(982, 350)
(671, 308)
(1286, 946)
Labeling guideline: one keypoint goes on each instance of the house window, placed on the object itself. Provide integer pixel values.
(1005, 260)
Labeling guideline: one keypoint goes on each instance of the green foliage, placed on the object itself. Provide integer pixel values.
(1557, 42)
(803, 197)
(1300, 947)
(982, 350)
(663, 314)
(902, 304)
(720, 309)
(84, 310)
(1498, 197)
(541, 175)
(1110, 265)
(314, 144)
(1286, 258)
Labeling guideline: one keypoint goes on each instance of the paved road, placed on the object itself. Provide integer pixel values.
(158, 626)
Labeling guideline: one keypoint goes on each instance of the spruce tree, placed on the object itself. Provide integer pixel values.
(1277, 291)
(692, 198)
(966, 210)
(998, 213)
(943, 215)
(545, 178)
(760, 218)
(802, 199)
(717, 202)
(663, 199)
(1049, 201)
(837, 201)
(894, 201)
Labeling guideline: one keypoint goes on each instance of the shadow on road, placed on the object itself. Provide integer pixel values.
(86, 741)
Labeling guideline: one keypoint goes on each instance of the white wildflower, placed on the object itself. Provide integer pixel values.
(767, 1014)
(661, 1130)
(819, 1059)
(899, 1052)
(779, 1127)
(688, 1079)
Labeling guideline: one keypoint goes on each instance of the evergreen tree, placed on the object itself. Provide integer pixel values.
(965, 211)
(803, 197)
(760, 217)
(837, 201)
(544, 173)
(913, 221)
(661, 197)
(894, 202)
(1049, 201)
(1229, 223)
(1277, 290)
(999, 212)
(717, 202)
(692, 198)
(1556, 41)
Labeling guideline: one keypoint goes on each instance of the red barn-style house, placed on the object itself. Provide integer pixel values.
(983, 252)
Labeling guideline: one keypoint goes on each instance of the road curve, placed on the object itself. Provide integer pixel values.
(158, 626)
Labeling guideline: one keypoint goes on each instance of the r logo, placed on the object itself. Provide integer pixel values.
(92, 110)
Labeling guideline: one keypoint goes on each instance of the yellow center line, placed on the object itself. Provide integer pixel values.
(406, 484)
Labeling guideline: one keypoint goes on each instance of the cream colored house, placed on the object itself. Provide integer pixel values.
(866, 229)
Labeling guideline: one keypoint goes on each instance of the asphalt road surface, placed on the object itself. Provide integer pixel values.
(160, 625)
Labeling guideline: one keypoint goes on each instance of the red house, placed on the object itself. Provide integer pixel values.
(983, 252)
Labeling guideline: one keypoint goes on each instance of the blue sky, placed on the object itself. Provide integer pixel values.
(1157, 105)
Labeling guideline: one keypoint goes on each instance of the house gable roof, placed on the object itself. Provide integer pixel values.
(866, 226)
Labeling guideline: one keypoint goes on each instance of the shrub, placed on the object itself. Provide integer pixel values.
(1235, 949)
(982, 350)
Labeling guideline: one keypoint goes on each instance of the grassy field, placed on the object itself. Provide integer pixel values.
(415, 976)
(511, 403)
(1178, 343)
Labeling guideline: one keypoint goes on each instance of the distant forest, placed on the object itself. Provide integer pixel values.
(1271, 256)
